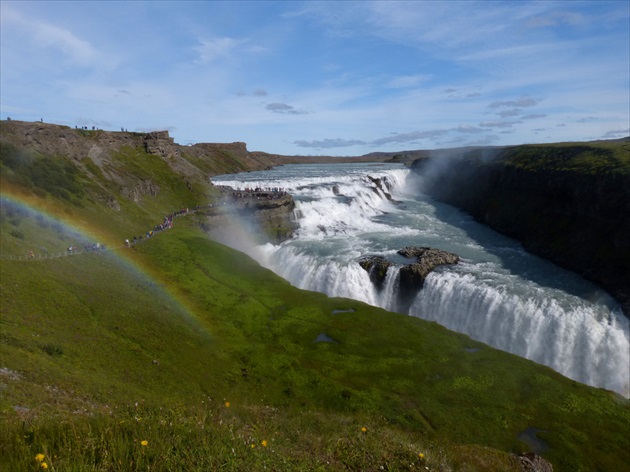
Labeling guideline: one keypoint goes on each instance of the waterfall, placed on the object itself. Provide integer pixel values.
(498, 294)
(583, 342)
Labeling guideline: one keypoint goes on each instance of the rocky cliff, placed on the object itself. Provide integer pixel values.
(196, 162)
(116, 168)
(568, 203)
(265, 215)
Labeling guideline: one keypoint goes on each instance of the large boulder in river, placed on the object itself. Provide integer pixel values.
(376, 267)
(412, 275)
(381, 184)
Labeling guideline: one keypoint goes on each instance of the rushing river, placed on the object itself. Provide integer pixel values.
(498, 293)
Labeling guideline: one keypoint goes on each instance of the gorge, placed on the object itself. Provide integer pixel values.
(186, 329)
(498, 293)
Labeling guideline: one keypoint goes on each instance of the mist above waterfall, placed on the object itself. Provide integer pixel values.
(236, 232)
(498, 293)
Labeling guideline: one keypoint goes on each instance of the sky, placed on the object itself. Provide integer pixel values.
(323, 78)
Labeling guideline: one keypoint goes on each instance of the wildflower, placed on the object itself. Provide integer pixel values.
(144, 443)
(253, 446)
(421, 456)
(227, 404)
(43, 465)
(364, 429)
(264, 442)
(39, 457)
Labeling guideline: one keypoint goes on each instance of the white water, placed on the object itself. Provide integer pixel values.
(498, 293)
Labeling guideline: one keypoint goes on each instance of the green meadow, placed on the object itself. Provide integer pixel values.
(179, 353)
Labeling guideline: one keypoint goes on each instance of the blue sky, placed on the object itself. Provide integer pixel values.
(334, 78)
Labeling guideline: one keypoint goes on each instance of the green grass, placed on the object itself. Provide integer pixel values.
(102, 351)
(94, 336)
(589, 159)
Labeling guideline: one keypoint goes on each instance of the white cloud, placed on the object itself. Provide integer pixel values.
(43, 36)
(469, 129)
(407, 81)
(499, 124)
(284, 108)
(617, 133)
(521, 102)
(409, 137)
(211, 49)
(328, 143)
(352, 71)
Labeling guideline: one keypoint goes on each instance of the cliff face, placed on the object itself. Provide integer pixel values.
(119, 167)
(569, 204)
(196, 162)
(243, 220)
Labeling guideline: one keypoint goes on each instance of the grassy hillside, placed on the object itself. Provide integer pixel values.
(181, 354)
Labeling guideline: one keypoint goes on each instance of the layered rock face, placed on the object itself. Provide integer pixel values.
(569, 204)
(195, 162)
(268, 215)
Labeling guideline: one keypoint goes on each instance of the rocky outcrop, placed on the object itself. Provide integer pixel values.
(426, 259)
(531, 462)
(566, 203)
(269, 215)
(381, 185)
(376, 267)
(195, 162)
(160, 144)
(142, 189)
(412, 275)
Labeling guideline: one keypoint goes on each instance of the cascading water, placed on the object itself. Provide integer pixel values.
(498, 293)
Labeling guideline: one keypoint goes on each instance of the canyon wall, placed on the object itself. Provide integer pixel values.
(567, 203)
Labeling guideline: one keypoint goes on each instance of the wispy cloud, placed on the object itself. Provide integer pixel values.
(499, 124)
(468, 129)
(510, 112)
(555, 18)
(210, 50)
(617, 133)
(328, 143)
(407, 81)
(284, 108)
(287, 76)
(47, 36)
(409, 137)
(520, 103)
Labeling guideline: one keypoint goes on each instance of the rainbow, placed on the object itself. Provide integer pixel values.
(31, 207)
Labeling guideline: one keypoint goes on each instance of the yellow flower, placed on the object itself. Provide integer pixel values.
(253, 446)
(39, 457)
(43, 465)
(264, 442)
(364, 429)
(421, 456)
(227, 404)
(144, 443)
